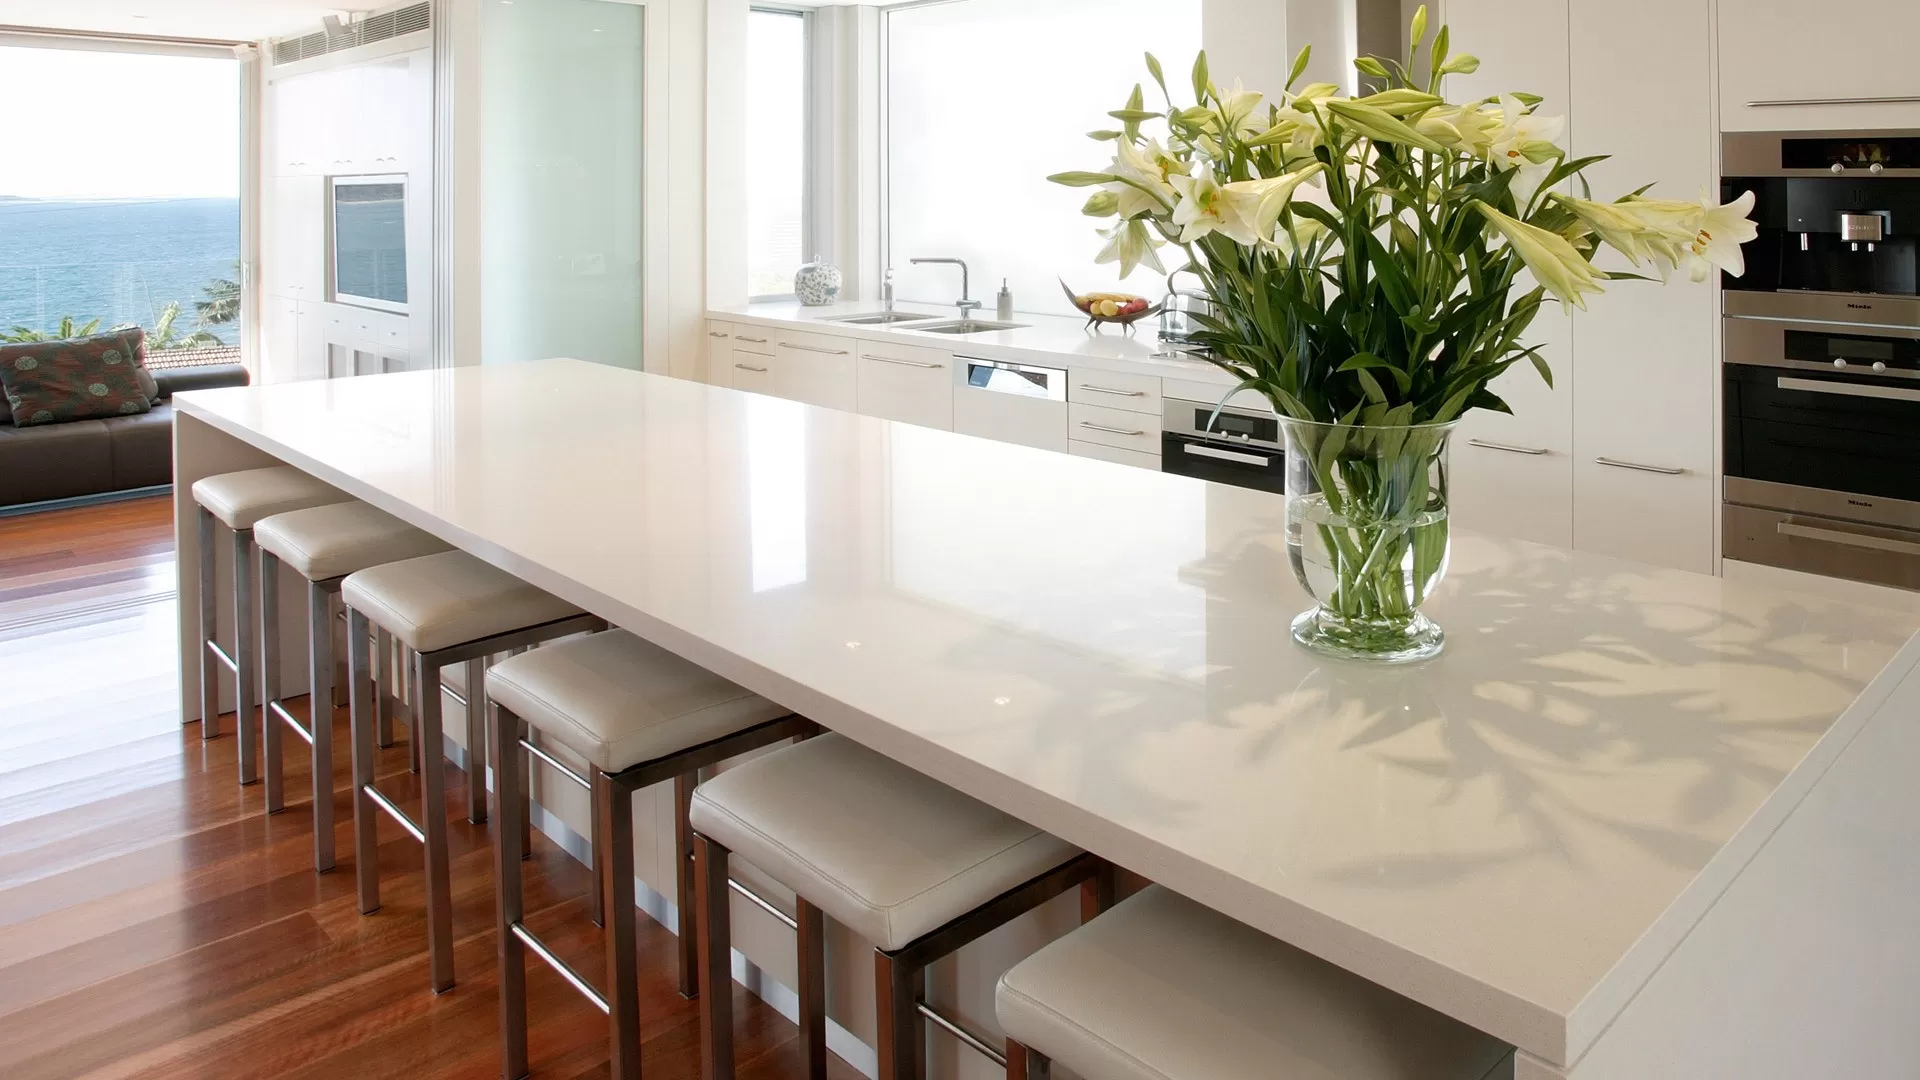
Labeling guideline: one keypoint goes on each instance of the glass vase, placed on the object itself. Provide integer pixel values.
(1367, 535)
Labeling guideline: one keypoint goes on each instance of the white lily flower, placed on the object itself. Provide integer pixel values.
(1521, 137)
(1238, 110)
(1465, 129)
(1130, 244)
(1206, 207)
(1146, 168)
(1555, 262)
(1271, 196)
(1718, 234)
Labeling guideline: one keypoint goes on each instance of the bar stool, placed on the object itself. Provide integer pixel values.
(323, 544)
(913, 867)
(238, 500)
(1161, 988)
(446, 609)
(638, 715)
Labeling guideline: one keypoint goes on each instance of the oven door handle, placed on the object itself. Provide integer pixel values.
(1815, 386)
(1850, 539)
(1214, 452)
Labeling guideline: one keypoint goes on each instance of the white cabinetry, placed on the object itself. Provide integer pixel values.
(716, 364)
(1832, 54)
(294, 341)
(1513, 475)
(752, 362)
(295, 255)
(1025, 405)
(815, 368)
(908, 383)
(1643, 354)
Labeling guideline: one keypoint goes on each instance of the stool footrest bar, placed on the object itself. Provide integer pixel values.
(566, 971)
(285, 717)
(972, 1041)
(393, 810)
(220, 654)
(557, 764)
(764, 904)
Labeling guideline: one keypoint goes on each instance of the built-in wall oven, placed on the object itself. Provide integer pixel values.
(1225, 444)
(1821, 399)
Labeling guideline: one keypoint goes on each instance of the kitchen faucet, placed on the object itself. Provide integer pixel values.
(965, 303)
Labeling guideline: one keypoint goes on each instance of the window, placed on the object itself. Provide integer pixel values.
(985, 98)
(777, 141)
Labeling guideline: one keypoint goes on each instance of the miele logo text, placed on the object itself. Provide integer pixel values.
(1858, 502)
(1861, 307)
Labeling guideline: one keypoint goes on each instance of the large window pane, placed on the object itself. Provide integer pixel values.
(776, 134)
(985, 98)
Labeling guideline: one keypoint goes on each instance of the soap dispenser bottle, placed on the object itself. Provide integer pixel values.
(1003, 303)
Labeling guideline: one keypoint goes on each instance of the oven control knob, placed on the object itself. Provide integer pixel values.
(1840, 363)
(1837, 167)
(1879, 365)
(1876, 168)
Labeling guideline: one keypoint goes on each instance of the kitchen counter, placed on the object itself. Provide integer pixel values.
(1519, 833)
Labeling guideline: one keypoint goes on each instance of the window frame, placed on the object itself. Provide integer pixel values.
(808, 136)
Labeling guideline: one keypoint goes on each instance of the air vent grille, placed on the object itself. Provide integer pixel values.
(369, 29)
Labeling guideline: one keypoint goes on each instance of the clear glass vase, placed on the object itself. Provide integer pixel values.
(1367, 534)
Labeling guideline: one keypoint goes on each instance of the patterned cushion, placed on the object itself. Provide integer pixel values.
(48, 382)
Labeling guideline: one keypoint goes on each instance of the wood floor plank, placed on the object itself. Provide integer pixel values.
(156, 923)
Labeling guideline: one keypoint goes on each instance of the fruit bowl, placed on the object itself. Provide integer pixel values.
(1120, 309)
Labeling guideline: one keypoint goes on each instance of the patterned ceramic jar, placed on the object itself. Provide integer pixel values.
(817, 284)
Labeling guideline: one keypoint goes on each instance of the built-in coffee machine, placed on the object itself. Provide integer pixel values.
(1822, 360)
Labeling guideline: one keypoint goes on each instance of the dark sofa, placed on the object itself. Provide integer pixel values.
(92, 457)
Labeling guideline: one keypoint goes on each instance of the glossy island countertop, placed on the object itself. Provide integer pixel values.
(1057, 340)
(1515, 833)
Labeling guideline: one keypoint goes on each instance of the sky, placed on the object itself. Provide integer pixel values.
(118, 125)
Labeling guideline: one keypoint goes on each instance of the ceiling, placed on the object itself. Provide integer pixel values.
(231, 20)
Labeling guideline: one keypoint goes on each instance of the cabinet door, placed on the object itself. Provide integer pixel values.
(1790, 50)
(311, 353)
(907, 383)
(1512, 475)
(279, 340)
(1149, 462)
(1035, 422)
(1643, 353)
(295, 264)
(716, 367)
(817, 369)
(753, 367)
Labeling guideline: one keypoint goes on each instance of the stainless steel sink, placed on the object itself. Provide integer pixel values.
(969, 326)
(880, 318)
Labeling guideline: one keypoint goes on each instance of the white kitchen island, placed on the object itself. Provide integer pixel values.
(1638, 823)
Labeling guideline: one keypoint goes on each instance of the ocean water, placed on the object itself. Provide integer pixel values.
(119, 260)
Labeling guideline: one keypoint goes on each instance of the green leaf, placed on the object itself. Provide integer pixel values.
(1370, 362)
(1081, 179)
(1540, 365)
(1371, 386)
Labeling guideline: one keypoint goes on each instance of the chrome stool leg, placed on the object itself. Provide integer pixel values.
(509, 848)
(433, 823)
(613, 864)
(271, 766)
(716, 960)
(366, 837)
(384, 687)
(210, 654)
(245, 657)
(320, 718)
(476, 742)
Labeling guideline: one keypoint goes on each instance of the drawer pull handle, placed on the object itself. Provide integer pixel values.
(1789, 102)
(755, 340)
(1235, 456)
(813, 348)
(1637, 467)
(1530, 451)
(1091, 426)
(1092, 389)
(749, 367)
(902, 363)
(1850, 539)
(716, 333)
(1815, 386)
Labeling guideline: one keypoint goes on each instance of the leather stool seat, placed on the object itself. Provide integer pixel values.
(617, 699)
(325, 542)
(240, 499)
(1162, 988)
(434, 602)
(877, 846)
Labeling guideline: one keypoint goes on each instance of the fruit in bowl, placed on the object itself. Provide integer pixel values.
(1110, 307)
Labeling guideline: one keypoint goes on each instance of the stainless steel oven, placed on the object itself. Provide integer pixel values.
(1822, 435)
(1237, 446)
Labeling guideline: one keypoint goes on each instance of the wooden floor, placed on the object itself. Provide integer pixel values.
(155, 923)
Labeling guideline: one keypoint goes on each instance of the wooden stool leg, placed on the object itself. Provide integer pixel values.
(597, 841)
(1096, 893)
(684, 887)
(272, 764)
(319, 717)
(1026, 1064)
(901, 1037)
(716, 959)
(477, 741)
(245, 657)
(209, 629)
(366, 836)
(613, 809)
(811, 937)
(416, 746)
(507, 853)
(532, 769)
(433, 822)
(383, 688)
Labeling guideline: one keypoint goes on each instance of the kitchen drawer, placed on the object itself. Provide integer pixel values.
(1210, 393)
(815, 368)
(1028, 421)
(1512, 489)
(755, 371)
(907, 383)
(1114, 427)
(716, 367)
(1136, 458)
(1113, 390)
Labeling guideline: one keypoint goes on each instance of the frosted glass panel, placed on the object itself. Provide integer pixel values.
(776, 134)
(985, 98)
(560, 181)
